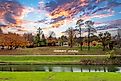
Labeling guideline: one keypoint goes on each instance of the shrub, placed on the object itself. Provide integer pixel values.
(111, 54)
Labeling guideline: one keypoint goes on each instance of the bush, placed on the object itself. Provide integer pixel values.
(111, 54)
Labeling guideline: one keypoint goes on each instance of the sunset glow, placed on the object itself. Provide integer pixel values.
(55, 15)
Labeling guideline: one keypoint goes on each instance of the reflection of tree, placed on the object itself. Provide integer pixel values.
(112, 69)
(71, 69)
(50, 69)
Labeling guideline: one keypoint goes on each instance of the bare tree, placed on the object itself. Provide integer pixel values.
(52, 39)
(71, 34)
(52, 34)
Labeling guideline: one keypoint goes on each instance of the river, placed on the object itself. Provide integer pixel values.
(60, 68)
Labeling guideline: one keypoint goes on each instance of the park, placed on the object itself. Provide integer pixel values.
(60, 40)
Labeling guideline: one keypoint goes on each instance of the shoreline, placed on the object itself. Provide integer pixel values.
(61, 59)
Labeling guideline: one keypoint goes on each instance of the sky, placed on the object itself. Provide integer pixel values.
(26, 16)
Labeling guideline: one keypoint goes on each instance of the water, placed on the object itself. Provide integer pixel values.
(60, 68)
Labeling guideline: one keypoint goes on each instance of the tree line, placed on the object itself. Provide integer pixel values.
(13, 40)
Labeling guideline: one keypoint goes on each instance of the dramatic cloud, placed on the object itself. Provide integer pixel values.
(10, 11)
(56, 15)
(60, 10)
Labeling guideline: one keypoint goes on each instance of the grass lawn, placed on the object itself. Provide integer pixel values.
(61, 76)
(50, 59)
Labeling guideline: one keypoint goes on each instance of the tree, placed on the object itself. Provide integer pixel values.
(94, 38)
(52, 34)
(37, 40)
(12, 41)
(43, 40)
(52, 38)
(62, 39)
(105, 38)
(80, 23)
(71, 34)
(29, 37)
(89, 25)
(40, 32)
(38, 37)
(117, 39)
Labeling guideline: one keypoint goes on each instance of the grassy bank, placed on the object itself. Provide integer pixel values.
(50, 51)
(55, 60)
(36, 76)
(39, 59)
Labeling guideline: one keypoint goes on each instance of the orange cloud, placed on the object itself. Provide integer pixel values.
(57, 24)
(68, 9)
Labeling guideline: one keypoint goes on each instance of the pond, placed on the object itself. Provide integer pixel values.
(61, 68)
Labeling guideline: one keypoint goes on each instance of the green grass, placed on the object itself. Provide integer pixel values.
(50, 59)
(68, 76)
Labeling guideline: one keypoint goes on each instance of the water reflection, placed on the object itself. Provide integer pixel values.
(60, 68)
